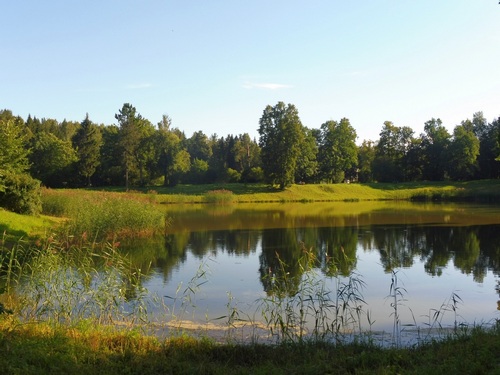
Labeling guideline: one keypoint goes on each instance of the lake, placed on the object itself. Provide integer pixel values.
(437, 263)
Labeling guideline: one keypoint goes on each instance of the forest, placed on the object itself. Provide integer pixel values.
(135, 152)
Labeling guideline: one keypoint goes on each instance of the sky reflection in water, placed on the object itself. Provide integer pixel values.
(435, 252)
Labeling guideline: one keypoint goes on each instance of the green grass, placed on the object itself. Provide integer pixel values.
(484, 190)
(14, 227)
(44, 349)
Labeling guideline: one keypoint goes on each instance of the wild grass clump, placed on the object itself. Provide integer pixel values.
(104, 215)
(220, 196)
(65, 285)
(311, 310)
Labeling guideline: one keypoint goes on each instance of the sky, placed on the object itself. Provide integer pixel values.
(214, 65)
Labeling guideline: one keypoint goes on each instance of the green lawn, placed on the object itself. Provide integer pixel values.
(244, 193)
(15, 227)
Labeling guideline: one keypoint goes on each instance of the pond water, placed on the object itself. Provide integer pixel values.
(445, 259)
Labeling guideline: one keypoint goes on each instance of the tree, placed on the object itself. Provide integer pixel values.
(168, 146)
(391, 150)
(19, 192)
(13, 153)
(366, 155)
(489, 150)
(338, 152)
(199, 147)
(52, 159)
(463, 152)
(307, 165)
(87, 142)
(281, 136)
(134, 141)
(110, 169)
(435, 142)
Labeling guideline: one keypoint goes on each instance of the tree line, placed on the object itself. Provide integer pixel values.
(136, 152)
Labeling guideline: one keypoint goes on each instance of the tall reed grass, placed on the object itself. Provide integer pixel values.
(99, 215)
(220, 196)
(65, 285)
(312, 310)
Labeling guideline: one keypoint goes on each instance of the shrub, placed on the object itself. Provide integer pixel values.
(221, 196)
(21, 194)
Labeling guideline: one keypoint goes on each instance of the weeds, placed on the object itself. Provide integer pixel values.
(104, 215)
(66, 285)
(220, 196)
(396, 294)
(183, 301)
(312, 310)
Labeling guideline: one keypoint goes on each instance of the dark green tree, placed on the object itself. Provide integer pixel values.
(463, 152)
(366, 155)
(110, 171)
(52, 160)
(489, 150)
(281, 136)
(307, 165)
(135, 141)
(170, 161)
(13, 153)
(338, 152)
(19, 192)
(435, 142)
(199, 146)
(87, 142)
(391, 150)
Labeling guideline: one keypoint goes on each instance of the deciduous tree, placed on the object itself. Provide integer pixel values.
(338, 152)
(281, 136)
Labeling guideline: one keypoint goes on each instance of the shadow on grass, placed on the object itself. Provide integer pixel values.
(9, 235)
(201, 189)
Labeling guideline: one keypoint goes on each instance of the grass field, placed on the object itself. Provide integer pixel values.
(485, 190)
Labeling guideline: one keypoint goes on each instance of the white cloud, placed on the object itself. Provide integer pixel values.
(266, 86)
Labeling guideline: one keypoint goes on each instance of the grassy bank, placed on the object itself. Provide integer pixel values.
(41, 349)
(14, 227)
(484, 190)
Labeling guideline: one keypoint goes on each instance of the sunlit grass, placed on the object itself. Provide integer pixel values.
(484, 190)
(16, 226)
(105, 214)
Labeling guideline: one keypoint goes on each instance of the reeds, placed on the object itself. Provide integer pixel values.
(220, 196)
(67, 285)
(99, 215)
(312, 310)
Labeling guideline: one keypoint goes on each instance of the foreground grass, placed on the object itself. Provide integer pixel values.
(41, 349)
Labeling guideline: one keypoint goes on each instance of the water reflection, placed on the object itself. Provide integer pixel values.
(269, 242)
(474, 250)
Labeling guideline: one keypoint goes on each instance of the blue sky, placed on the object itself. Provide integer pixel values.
(214, 65)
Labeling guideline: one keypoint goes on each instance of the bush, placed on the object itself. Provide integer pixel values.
(21, 194)
(233, 175)
(221, 196)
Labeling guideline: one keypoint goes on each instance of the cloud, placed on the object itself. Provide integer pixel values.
(266, 86)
